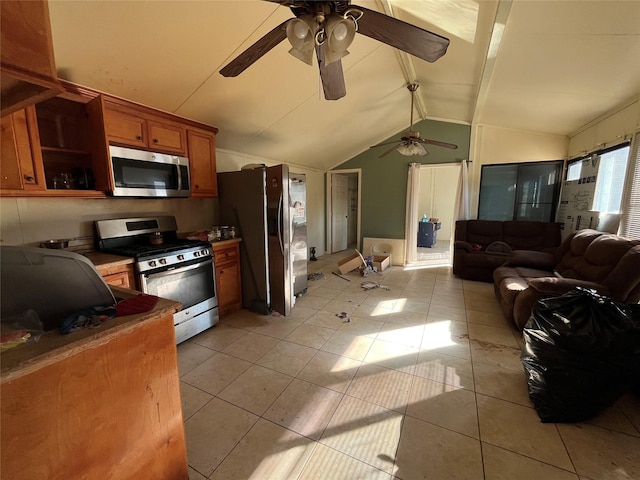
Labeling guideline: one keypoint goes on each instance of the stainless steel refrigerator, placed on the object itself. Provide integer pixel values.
(268, 207)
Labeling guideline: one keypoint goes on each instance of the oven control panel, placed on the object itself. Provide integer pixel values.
(167, 260)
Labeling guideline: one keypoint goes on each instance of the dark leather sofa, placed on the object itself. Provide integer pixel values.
(472, 261)
(604, 262)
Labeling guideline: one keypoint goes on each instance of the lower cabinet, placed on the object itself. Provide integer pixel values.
(105, 407)
(227, 261)
(118, 275)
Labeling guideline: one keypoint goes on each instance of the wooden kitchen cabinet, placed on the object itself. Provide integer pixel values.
(21, 166)
(226, 256)
(202, 163)
(118, 275)
(73, 146)
(128, 127)
(27, 64)
(96, 403)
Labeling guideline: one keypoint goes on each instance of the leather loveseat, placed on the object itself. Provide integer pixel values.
(473, 255)
(607, 263)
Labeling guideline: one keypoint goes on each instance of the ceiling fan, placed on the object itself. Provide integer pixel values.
(410, 142)
(328, 28)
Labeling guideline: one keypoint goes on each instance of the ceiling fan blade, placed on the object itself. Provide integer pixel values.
(332, 77)
(255, 51)
(390, 150)
(437, 143)
(402, 35)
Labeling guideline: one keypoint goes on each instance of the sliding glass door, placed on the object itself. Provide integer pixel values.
(520, 191)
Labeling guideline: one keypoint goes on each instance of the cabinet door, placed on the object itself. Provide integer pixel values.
(169, 138)
(202, 162)
(28, 65)
(229, 296)
(228, 280)
(118, 275)
(125, 129)
(21, 166)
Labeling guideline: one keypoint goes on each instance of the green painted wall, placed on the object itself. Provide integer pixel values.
(384, 180)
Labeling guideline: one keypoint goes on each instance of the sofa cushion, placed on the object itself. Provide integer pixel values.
(484, 260)
(593, 261)
(524, 235)
(484, 232)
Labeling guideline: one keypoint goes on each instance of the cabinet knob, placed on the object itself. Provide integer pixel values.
(29, 178)
(139, 137)
(155, 140)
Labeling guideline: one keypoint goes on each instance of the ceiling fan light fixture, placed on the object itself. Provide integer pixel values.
(410, 149)
(339, 32)
(301, 35)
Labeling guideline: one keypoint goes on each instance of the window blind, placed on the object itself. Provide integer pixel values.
(630, 221)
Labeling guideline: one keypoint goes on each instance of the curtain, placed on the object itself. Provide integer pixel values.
(630, 226)
(461, 210)
(462, 197)
(411, 222)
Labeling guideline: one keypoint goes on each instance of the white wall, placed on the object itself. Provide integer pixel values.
(609, 129)
(228, 161)
(29, 221)
(495, 145)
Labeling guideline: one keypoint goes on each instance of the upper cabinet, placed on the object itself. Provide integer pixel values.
(139, 128)
(60, 146)
(21, 166)
(202, 163)
(27, 64)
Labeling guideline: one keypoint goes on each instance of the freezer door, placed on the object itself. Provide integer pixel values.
(242, 201)
(278, 239)
(298, 209)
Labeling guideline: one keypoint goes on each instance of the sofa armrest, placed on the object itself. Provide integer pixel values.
(462, 245)
(532, 259)
(559, 286)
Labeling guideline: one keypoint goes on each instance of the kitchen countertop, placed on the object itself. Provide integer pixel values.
(222, 243)
(53, 346)
(100, 259)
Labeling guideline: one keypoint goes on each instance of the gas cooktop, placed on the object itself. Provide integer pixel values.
(140, 250)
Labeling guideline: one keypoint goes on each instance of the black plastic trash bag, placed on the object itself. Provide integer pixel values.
(581, 353)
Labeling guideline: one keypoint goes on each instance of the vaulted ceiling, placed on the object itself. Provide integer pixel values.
(544, 66)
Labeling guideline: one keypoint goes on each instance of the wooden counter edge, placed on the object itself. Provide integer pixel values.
(32, 356)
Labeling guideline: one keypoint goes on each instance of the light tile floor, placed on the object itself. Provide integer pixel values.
(424, 382)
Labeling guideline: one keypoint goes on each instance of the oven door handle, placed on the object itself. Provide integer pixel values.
(164, 273)
(280, 208)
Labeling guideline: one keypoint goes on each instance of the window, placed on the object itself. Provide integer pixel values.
(520, 191)
(630, 222)
(593, 191)
(610, 180)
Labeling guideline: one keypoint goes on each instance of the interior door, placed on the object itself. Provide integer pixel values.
(339, 212)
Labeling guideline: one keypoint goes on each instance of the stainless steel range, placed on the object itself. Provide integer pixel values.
(167, 266)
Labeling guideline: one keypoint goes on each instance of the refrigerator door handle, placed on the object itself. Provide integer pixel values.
(280, 207)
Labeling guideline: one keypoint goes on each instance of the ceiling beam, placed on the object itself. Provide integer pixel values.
(497, 32)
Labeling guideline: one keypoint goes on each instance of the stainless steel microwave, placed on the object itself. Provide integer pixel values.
(138, 173)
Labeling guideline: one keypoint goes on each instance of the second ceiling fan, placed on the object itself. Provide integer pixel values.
(410, 142)
(328, 28)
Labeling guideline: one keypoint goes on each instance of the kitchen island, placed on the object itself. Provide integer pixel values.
(96, 403)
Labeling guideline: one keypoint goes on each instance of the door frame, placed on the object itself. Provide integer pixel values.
(329, 210)
(430, 165)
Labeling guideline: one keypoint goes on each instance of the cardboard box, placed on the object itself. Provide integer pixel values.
(381, 262)
(349, 263)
